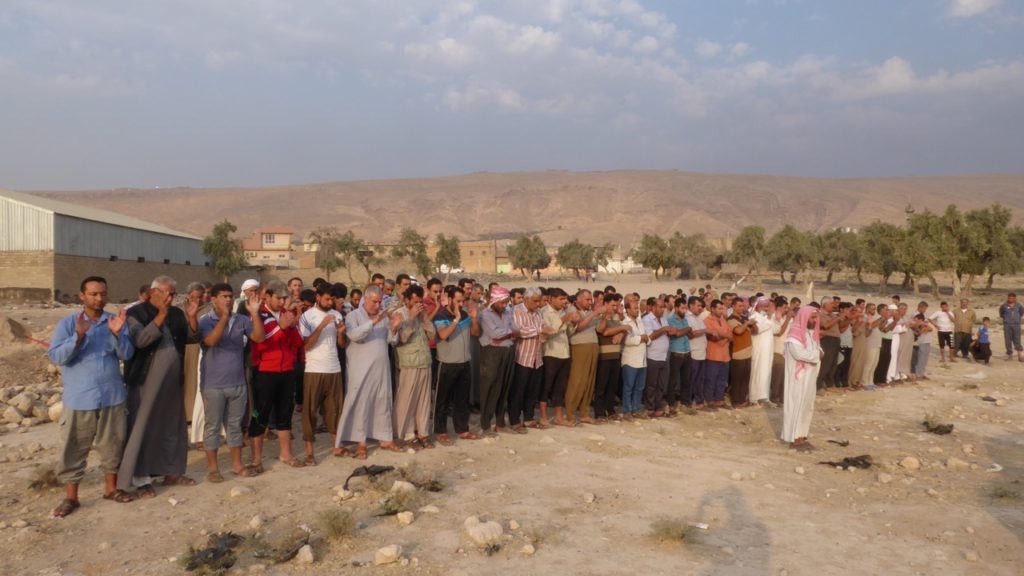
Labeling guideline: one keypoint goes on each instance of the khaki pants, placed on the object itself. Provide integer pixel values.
(106, 429)
(412, 403)
(582, 374)
(320, 391)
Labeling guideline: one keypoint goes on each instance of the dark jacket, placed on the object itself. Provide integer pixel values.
(135, 370)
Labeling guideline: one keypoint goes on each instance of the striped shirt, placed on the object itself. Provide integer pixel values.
(529, 350)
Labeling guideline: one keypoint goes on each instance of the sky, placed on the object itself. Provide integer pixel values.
(107, 93)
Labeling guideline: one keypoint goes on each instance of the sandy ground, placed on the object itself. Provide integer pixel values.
(586, 498)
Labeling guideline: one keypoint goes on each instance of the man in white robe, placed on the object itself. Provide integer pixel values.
(803, 360)
(367, 410)
(762, 351)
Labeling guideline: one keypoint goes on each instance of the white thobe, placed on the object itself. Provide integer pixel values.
(800, 390)
(761, 358)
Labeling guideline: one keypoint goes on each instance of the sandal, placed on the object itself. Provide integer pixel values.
(444, 440)
(425, 441)
(309, 461)
(294, 463)
(539, 425)
(390, 446)
(247, 472)
(360, 452)
(178, 481)
(519, 429)
(468, 436)
(145, 491)
(566, 423)
(66, 506)
(257, 468)
(119, 496)
(340, 453)
(214, 477)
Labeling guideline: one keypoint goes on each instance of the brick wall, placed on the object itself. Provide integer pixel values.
(123, 277)
(26, 276)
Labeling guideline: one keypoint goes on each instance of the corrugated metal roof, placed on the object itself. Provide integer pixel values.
(94, 214)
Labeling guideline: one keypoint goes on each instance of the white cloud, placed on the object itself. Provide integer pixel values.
(970, 8)
(740, 49)
(646, 45)
(708, 49)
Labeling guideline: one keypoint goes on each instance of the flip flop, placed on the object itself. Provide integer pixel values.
(66, 506)
(214, 477)
(119, 496)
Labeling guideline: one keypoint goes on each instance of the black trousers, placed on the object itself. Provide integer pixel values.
(495, 379)
(884, 356)
(606, 385)
(843, 370)
(556, 378)
(962, 342)
(453, 381)
(827, 375)
(656, 383)
(679, 379)
(522, 397)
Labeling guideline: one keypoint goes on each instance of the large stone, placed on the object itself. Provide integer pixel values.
(305, 555)
(401, 486)
(12, 416)
(483, 533)
(387, 555)
(54, 412)
(24, 402)
(39, 412)
(910, 463)
(405, 518)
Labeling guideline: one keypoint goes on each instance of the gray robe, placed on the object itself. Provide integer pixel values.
(157, 430)
(367, 410)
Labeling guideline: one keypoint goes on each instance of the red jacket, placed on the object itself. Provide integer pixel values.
(280, 347)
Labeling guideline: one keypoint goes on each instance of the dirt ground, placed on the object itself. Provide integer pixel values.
(586, 499)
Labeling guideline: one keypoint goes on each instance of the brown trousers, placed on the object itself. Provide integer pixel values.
(412, 403)
(321, 393)
(191, 378)
(582, 373)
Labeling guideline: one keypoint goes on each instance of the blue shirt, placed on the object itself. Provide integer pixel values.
(91, 370)
(983, 334)
(678, 344)
(223, 365)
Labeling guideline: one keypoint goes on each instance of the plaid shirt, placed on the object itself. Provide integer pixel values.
(529, 350)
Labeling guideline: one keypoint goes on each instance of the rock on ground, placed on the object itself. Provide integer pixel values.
(387, 555)
(483, 533)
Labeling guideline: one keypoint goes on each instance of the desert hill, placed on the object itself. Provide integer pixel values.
(594, 206)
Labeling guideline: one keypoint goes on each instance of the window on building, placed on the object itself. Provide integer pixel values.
(268, 239)
(282, 256)
(471, 253)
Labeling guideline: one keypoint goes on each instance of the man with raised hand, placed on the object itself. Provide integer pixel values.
(88, 346)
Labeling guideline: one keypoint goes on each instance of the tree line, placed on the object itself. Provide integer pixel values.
(979, 243)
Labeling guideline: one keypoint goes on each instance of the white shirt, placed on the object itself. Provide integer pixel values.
(944, 320)
(699, 344)
(634, 351)
(322, 358)
(657, 349)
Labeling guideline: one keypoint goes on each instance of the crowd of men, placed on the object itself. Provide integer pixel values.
(395, 361)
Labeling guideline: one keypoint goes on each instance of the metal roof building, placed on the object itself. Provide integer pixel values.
(39, 234)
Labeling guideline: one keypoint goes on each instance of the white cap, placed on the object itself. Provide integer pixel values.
(250, 283)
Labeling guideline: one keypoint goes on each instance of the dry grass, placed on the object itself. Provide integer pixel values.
(673, 530)
(43, 477)
(336, 523)
(401, 502)
(1003, 492)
